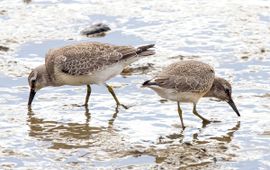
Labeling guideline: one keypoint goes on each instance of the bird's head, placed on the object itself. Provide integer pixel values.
(37, 79)
(222, 90)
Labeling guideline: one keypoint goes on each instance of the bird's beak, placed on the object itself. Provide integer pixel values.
(231, 103)
(31, 96)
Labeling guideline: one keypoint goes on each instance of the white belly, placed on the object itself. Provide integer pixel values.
(171, 94)
(98, 77)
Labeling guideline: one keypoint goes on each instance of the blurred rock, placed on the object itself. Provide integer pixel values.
(96, 30)
(27, 1)
(2, 12)
(140, 69)
(3, 48)
(262, 50)
(182, 57)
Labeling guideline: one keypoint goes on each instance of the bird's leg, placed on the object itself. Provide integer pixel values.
(110, 89)
(88, 92)
(205, 121)
(180, 115)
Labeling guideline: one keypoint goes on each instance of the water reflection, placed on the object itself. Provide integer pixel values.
(199, 153)
(111, 121)
(223, 138)
(229, 134)
(195, 136)
(64, 135)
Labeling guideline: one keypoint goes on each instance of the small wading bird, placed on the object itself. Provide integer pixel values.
(188, 81)
(84, 64)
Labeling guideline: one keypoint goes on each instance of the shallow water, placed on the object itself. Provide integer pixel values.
(58, 134)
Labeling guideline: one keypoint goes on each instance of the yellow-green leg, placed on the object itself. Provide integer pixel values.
(88, 93)
(180, 115)
(205, 121)
(110, 89)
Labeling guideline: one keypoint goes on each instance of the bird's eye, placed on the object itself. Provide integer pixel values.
(227, 91)
(33, 83)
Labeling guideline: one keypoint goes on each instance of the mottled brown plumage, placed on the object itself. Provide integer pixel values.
(85, 58)
(188, 81)
(84, 64)
(186, 76)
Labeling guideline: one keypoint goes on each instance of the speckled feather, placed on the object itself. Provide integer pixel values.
(85, 58)
(186, 76)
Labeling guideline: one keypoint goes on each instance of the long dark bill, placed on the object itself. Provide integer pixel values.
(31, 96)
(231, 103)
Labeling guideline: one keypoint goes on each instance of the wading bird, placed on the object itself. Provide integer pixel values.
(84, 64)
(188, 81)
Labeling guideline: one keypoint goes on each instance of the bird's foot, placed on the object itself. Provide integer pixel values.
(206, 121)
(183, 128)
(79, 105)
(215, 121)
(125, 107)
(84, 105)
(117, 107)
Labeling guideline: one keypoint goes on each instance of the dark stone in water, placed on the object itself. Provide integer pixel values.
(3, 48)
(182, 57)
(141, 69)
(95, 29)
(27, 1)
(2, 12)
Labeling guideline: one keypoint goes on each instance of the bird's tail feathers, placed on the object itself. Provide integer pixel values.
(144, 50)
(148, 83)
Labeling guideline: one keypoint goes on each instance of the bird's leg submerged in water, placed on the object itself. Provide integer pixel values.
(110, 89)
(88, 93)
(180, 115)
(205, 121)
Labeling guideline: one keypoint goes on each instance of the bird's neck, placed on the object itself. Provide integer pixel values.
(210, 93)
(46, 76)
(213, 89)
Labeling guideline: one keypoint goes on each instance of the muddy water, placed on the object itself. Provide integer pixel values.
(58, 134)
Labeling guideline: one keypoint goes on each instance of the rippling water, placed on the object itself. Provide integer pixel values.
(233, 36)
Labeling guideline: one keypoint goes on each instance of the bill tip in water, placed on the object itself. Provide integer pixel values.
(231, 103)
(31, 97)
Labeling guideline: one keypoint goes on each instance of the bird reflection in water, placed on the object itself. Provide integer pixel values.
(201, 151)
(180, 136)
(68, 135)
(223, 138)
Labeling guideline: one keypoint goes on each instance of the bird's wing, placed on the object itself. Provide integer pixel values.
(186, 78)
(86, 58)
(183, 83)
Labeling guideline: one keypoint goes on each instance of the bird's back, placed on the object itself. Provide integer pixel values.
(85, 58)
(187, 76)
(90, 58)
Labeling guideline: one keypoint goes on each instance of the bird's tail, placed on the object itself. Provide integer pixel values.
(148, 83)
(144, 50)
